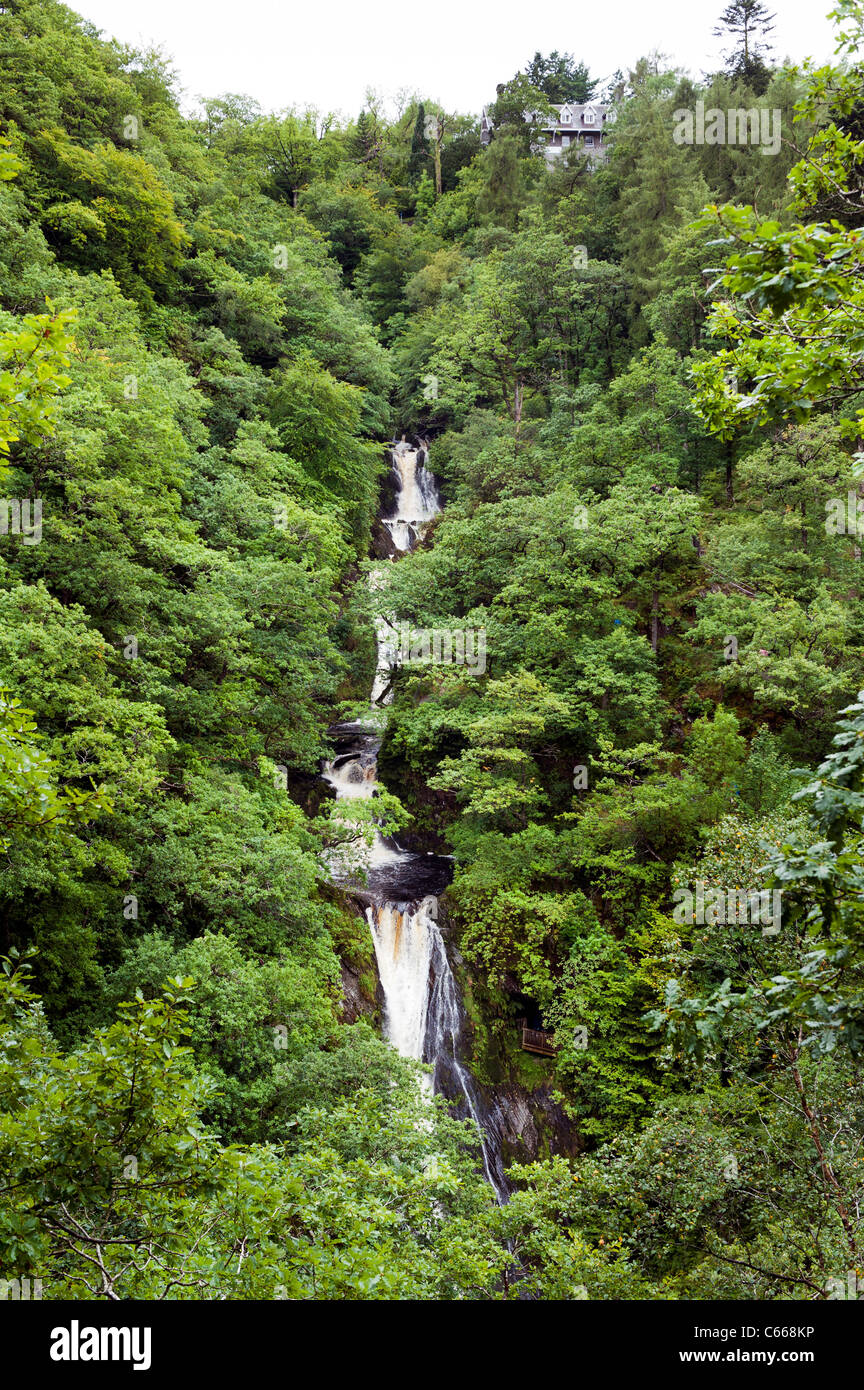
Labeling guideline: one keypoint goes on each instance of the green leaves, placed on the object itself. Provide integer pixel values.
(115, 211)
(820, 992)
(121, 1190)
(495, 776)
(33, 359)
(318, 420)
(29, 801)
(795, 294)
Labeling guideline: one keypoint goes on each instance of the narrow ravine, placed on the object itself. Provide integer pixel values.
(423, 1014)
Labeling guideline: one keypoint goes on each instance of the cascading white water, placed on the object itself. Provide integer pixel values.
(403, 939)
(382, 693)
(442, 1045)
(352, 778)
(422, 1016)
(416, 497)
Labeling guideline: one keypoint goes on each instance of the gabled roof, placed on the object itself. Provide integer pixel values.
(577, 111)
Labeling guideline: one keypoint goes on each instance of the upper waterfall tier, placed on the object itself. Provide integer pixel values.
(417, 500)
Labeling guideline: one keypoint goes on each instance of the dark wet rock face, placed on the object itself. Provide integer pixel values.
(382, 545)
(356, 1002)
(532, 1124)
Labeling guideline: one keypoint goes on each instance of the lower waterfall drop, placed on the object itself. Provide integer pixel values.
(422, 1015)
(403, 950)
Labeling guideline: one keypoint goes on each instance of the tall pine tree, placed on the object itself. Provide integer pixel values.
(747, 21)
(419, 163)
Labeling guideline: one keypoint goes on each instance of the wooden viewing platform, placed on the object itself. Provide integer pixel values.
(536, 1040)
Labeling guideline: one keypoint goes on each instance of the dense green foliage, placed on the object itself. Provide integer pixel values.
(209, 327)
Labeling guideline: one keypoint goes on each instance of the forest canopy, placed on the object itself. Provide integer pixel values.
(637, 368)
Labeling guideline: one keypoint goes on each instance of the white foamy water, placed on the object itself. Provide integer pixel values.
(403, 949)
(354, 779)
(350, 778)
(416, 500)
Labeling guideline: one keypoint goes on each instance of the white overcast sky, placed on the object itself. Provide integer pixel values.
(325, 53)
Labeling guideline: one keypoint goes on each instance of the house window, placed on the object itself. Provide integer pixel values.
(566, 116)
(589, 117)
(565, 139)
(589, 139)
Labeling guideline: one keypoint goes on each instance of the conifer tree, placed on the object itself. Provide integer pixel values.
(747, 20)
(418, 164)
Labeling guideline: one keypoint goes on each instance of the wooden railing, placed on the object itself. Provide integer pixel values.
(536, 1039)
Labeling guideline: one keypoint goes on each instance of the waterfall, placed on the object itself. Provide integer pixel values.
(416, 497)
(443, 1030)
(423, 1017)
(422, 1014)
(403, 941)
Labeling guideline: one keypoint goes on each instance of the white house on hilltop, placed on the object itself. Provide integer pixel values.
(577, 123)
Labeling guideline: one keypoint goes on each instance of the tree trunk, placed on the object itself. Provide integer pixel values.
(439, 131)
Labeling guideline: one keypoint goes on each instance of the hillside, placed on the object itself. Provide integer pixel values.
(551, 452)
